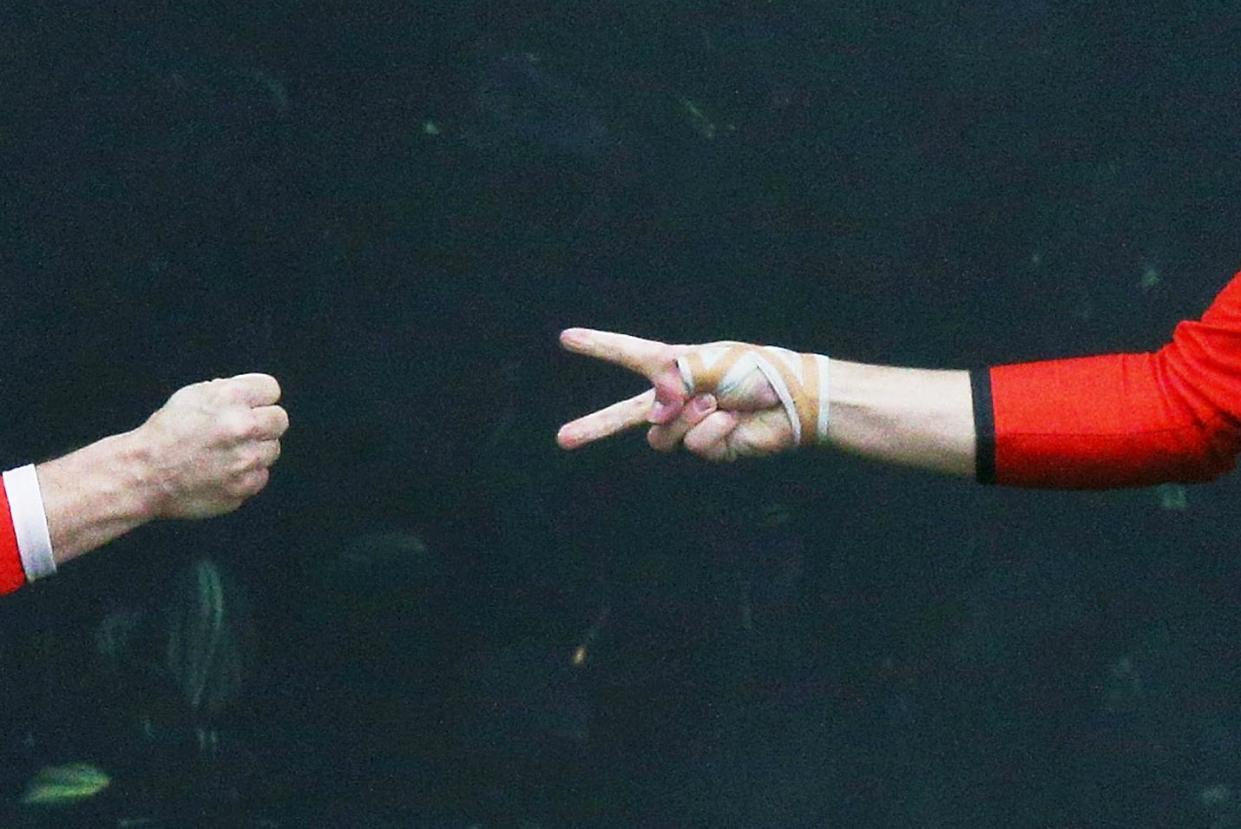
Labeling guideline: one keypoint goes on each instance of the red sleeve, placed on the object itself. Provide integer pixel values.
(1119, 419)
(12, 576)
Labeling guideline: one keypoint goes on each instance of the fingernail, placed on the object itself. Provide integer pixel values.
(704, 404)
(659, 412)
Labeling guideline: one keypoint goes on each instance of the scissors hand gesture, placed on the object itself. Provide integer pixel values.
(714, 398)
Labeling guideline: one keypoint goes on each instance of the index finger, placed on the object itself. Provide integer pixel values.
(255, 389)
(646, 357)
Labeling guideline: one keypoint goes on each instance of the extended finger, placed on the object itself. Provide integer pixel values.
(665, 438)
(709, 439)
(646, 357)
(606, 422)
(255, 389)
(270, 422)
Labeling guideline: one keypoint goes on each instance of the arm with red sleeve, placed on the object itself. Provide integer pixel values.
(1099, 422)
(25, 543)
(12, 575)
(203, 453)
(1118, 420)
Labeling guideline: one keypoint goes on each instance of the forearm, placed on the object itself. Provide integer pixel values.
(203, 453)
(1119, 420)
(1112, 420)
(97, 494)
(1096, 422)
(1115, 420)
(915, 417)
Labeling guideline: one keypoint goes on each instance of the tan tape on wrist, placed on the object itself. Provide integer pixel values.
(799, 380)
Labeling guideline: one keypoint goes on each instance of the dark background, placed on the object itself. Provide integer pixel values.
(394, 207)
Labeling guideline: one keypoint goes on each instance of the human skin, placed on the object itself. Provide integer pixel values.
(203, 453)
(914, 417)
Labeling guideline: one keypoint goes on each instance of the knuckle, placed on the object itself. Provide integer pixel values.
(246, 484)
(189, 392)
(235, 487)
(264, 454)
(697, 443)
(238, 424)
(231, 389)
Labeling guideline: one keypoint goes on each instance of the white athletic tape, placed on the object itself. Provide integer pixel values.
(800, 381)
(34, 543)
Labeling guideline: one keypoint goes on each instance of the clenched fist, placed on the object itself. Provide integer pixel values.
(203, 453)
(210, 447)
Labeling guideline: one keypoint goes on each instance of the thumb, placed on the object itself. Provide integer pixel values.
(670, 396)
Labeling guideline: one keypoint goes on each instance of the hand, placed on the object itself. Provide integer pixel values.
(209, 448)
(719, 423)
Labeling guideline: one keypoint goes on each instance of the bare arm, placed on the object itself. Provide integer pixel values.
(1096, 422)
(916, 417)
(96, 494)
(203, 453)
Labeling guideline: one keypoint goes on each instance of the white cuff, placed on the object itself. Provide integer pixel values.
(30, 522)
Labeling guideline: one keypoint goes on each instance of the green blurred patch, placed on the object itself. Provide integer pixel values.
(65, 785)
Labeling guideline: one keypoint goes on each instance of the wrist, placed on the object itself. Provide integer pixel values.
(853, 399)
(137, 482)
(98, 493)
